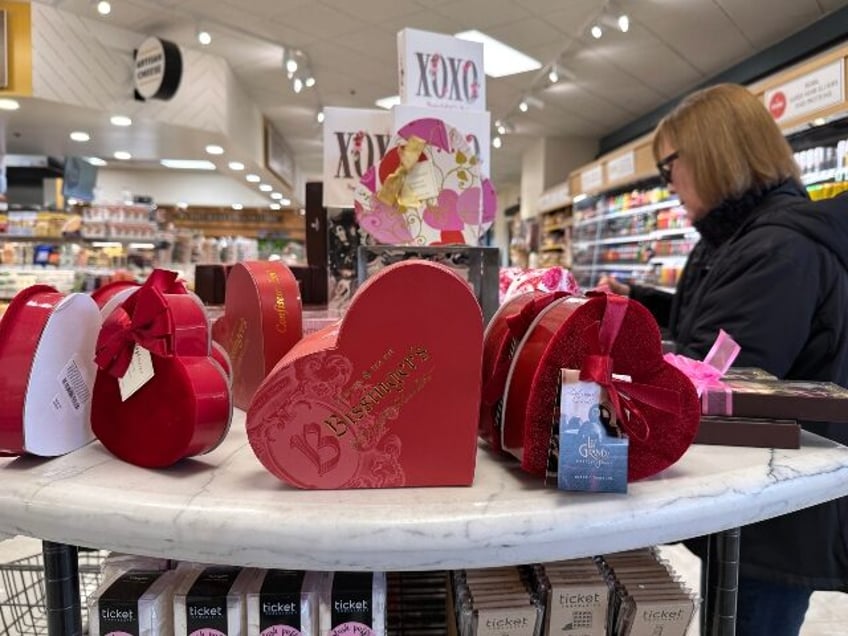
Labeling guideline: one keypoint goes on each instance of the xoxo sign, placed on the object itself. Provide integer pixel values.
(440, 71)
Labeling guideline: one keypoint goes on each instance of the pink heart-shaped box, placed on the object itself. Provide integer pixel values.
(262, 320)
(387, 398)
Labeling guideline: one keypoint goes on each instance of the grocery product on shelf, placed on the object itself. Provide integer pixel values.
(630, 236)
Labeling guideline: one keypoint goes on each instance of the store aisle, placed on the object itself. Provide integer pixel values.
(827, 616)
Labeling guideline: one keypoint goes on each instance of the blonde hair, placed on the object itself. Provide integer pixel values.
(730, 142)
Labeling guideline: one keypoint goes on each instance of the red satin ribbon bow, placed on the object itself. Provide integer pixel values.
(628, 398)
(143, 319)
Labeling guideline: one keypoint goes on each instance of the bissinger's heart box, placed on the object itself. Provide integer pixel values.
(47, 370)
(262, 320)
(389, 397)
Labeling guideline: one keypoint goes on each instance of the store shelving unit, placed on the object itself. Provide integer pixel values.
(641, 235)
(555, 227)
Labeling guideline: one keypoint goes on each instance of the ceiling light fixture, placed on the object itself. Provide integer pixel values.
(9, 104)
(553, 75)
(309, 82)
(523, 106)
(499, 59)
(104, 7)
(79, 135)
(275, 206)
(285, 201)
(204, 37)
(265, 187)
(253, 178)
(214, 149)
(182, 205)
(297, 85)
(122, 155)
(277, 196)
(597, 31)
(120, 120)
(96, 161)
(320, 117)
(501, 129)
(238, 206)
(623, 23)
(187, 164)
(496, 142)
(388, 102)
(238, 166)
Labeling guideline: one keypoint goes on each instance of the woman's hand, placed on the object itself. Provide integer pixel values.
(614, 285)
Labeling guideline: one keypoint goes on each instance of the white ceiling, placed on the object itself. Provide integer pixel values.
(672, 46)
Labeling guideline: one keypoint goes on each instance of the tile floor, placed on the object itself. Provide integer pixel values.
(827, 616)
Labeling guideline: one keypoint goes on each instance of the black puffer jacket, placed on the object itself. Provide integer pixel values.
(771, 269)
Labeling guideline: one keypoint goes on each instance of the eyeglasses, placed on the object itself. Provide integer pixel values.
(664, 166)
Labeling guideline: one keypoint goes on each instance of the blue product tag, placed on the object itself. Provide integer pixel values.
(592, 457)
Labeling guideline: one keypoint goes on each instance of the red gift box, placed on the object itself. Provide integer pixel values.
(185, 408)
(262, 320)
(387, 398)
(504, 331)
(603, 336)
(46, 371)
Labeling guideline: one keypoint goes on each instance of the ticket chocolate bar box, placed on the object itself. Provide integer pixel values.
(787, 399)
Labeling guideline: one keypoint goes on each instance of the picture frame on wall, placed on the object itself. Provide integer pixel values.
(279, 158)
(4, 51)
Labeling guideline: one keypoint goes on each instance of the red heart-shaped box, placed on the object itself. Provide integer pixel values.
(47, 342)
(185, 409)
(262, 320)
(557, 340)
(388, 398)
(499, 340)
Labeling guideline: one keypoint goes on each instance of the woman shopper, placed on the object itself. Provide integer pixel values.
(771, 269)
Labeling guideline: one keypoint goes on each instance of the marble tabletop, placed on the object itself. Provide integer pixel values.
(225, 508)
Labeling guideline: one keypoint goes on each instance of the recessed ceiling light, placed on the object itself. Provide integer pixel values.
(188, 164)
(214, 149)
(624, 23)
(120, 120)
(285, 201)
(276, 195)
(496, 142)
(253, 178)
(79, 135)
(96, 161)
(238, 206)
(275, 206)
(236, 165)
(9, 104)
(265, 187)
(523, 106)
(104, 7)
(388, 102)
(182, 205)
(123, 156)
(320, 117)
(597, 32)
(204, 37)
(500, 60)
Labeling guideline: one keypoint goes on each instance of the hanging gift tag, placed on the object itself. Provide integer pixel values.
(139, 373)
(420, 183)
(592, 455)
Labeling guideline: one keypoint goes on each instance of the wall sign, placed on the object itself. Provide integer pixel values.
(158, 69)
(621, 167)
(354, 140)
(592, 179)
(809, 93)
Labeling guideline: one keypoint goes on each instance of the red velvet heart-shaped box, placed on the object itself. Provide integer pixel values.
(47, 372)
(388, 398)
(603, 336)
(504, 331)
(184, 409)
(262, 320)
